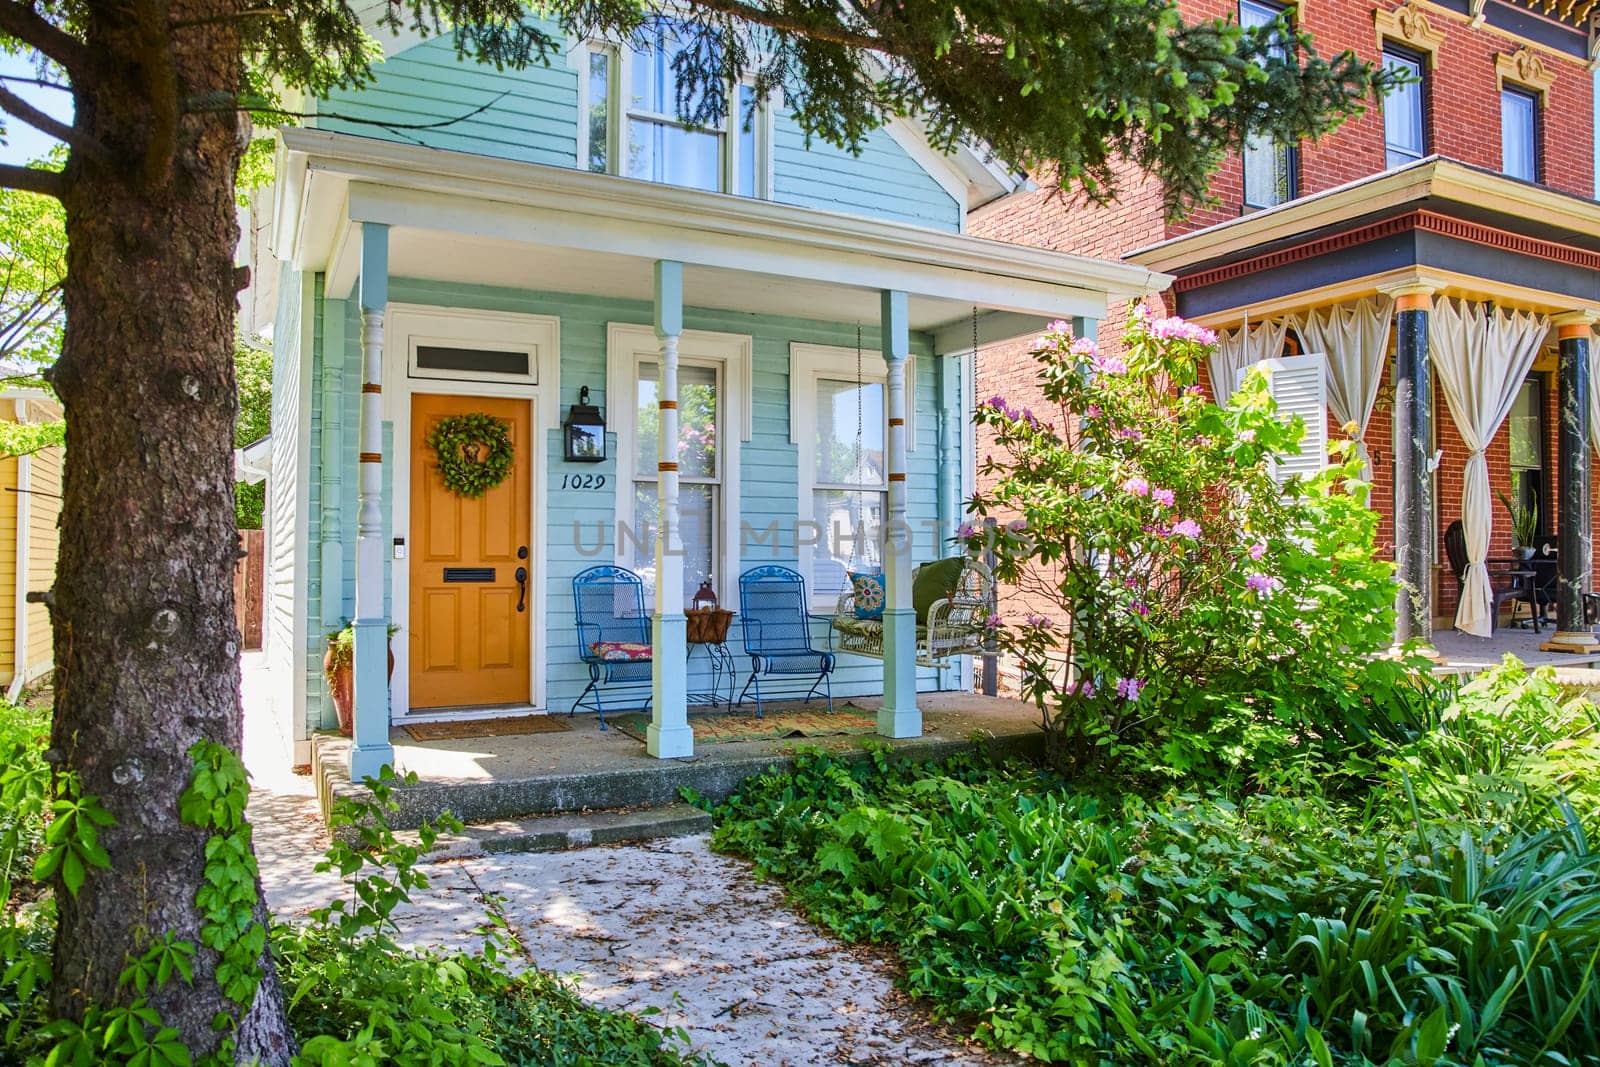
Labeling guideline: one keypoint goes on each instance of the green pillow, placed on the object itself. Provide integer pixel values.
(934, 581)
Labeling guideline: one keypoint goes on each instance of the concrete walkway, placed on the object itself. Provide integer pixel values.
(669, 925)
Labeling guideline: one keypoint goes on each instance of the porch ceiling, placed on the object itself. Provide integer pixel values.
(461, 218)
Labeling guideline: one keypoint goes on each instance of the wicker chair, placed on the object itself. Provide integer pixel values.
(777, 632)
(613, 636)
(955, 624)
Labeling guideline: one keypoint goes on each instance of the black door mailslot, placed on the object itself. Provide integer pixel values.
(469, 574)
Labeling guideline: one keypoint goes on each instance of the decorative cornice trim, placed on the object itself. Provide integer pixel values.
(1524, 67)
(1427, 221)
(1409, 25)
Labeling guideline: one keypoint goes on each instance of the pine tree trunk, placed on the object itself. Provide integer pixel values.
(146, 647)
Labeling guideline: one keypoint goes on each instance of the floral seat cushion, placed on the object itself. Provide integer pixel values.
(620, 651)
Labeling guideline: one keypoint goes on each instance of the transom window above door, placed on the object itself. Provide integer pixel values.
(631, 95)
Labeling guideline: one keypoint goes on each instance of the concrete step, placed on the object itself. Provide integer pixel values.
(554, 833)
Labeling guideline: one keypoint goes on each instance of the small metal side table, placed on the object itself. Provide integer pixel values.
(723, 666)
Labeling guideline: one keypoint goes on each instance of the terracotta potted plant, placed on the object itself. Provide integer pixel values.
(338, 667)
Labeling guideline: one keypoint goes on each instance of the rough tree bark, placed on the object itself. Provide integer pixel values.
(146, 648)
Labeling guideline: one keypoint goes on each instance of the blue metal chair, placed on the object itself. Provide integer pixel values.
(777, 631)
(613, 635)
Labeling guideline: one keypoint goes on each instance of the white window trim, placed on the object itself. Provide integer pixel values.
(809, 363)
(628, 344)
(763, 129)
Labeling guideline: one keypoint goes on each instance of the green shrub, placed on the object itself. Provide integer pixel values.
(1079, 928)
(357, 997)
(1204, 619)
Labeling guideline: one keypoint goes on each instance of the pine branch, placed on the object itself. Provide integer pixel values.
(14, 105)
(21, 21)
(33, 180)
(831, 32)
(43, 83)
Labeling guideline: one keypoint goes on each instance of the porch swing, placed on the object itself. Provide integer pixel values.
(951, 595)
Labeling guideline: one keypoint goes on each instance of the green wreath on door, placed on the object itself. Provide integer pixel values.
(472, 452)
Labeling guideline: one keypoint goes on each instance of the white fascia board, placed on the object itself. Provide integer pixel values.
(755, 253)
(489, 195)
(288, 198)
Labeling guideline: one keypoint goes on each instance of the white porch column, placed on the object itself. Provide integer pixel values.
(371, 749)
(669, 735)
(899, 716)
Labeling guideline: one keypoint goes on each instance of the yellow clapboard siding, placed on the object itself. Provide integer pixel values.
(8, 565)
(44, 541)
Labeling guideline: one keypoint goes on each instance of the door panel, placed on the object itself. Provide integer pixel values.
(469, 643)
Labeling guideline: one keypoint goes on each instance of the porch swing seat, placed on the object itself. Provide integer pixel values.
(953, 622)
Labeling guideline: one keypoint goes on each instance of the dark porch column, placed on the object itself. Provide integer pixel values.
(1572, 457)
(1413, 461)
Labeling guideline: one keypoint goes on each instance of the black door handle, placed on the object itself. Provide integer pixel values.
(522, 588)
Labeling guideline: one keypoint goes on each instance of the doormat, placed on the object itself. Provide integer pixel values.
(458, 731)
(714, 728)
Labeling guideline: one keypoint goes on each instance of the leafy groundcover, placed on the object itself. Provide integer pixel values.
(1430, 902)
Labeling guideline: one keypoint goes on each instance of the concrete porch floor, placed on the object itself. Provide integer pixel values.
(584, 768)
(1465, 653)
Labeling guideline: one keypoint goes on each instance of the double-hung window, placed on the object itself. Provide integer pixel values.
(700, 470)
(849, 486)
(1404, 108)
(1519, 133)
(1269, 165)
(838, 423)
(632, 102)
(713, 421)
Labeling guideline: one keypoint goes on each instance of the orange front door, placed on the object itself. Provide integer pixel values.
(469, 610)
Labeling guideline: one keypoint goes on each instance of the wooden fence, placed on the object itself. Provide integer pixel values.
(249, 580)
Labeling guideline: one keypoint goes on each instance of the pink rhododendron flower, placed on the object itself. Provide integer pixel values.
(1060, 326)
(1164, 497)
(1131, 435)
(1247, 435)
(1017, 526)
(1138, 608)
(1084, 346)
(1137, 486)
(1128, 688)
(1110, 365)
(1174, 328)
(1186, 528)
(1263, 583)
(1258, 550)
(1040, 622)
(1084, 689)
(1092, 411)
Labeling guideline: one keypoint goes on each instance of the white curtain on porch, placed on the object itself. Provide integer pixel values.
(1482, 357)
(1594, 390)
(1236, 351)
(1355, 338)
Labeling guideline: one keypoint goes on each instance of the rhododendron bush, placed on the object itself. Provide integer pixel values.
(1190, 615)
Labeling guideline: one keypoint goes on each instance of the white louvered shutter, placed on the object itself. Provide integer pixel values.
(1299, 385)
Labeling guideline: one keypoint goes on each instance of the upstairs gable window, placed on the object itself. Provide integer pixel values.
(1519, 133)
(633, 126)
(1404, 117)
(1269, 166)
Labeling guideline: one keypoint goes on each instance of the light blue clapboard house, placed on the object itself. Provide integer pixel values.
(776, 338)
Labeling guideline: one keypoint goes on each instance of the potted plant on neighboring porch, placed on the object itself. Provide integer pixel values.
(1524, 526)
(338, 668)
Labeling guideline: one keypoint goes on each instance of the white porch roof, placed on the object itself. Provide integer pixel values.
(457, 217)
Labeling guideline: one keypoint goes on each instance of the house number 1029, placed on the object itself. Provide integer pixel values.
(583, 481)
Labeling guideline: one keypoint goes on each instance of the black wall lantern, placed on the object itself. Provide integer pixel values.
(585, 431)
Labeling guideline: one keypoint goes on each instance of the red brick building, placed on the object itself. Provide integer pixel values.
(1457, 220)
